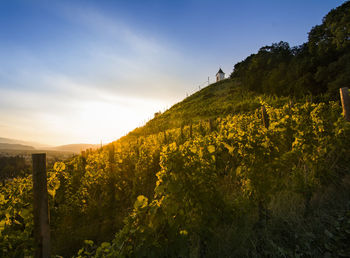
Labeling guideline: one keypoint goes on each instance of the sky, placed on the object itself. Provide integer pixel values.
(90, 71)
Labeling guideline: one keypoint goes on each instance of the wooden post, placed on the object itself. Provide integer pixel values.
(211, 125)
(182, 132)
(165, 138)
(41, 207)
(265, 117)
(191, 130)
(345, 102)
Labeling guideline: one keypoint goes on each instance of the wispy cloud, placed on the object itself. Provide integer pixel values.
(97, 78)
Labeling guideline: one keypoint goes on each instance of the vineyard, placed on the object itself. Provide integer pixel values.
(228, 186)
(257, 165)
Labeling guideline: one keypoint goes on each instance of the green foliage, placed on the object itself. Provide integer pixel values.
(16, 219)
(319, 66)
(11, 167)
(217, 100)
(240, 180)
(177, 196)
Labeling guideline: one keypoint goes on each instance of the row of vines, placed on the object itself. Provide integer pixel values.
(226, 187)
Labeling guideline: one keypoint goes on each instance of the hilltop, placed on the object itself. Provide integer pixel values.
(219, 99)
(314, 70)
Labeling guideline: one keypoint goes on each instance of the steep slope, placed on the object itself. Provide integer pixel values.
(216, 100)
(185, 188)
(181, 187)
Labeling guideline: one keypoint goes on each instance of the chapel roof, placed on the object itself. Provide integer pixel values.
(220, 71)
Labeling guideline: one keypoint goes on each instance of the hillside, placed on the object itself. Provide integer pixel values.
(219, 99)
(228, 187)
(180, 190)
(213, 176)
(315, 69)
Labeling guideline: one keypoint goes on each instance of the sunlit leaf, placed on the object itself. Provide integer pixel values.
(211, 148)
(59, 166)
(140, 202)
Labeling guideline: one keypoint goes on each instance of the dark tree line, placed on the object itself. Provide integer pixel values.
(11, 167)
(319, 66)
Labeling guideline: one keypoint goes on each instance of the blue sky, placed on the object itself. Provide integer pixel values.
(85, 71)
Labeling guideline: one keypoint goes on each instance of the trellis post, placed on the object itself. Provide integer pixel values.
(40, 207)
(265, 117)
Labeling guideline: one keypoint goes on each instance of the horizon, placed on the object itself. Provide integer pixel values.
(83, 72)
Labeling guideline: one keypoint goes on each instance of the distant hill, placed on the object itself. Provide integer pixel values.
(9, 146)
(76, 148)
(14, 144)
(35, 145)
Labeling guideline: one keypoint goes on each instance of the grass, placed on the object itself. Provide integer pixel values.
(216, 100)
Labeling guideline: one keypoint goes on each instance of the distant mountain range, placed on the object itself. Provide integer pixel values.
(9, 146)
(13, 144)
(76, 148)
(35, 145)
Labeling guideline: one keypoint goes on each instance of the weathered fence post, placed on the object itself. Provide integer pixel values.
(191, 130)
(41, 207)
(211, 126)
(182, 132)
(265, 117)
(165, 137)
(345, 101)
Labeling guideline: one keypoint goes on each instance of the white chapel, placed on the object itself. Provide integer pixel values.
(220, 75)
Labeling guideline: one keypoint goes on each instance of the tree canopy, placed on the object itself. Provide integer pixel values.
(319, 66)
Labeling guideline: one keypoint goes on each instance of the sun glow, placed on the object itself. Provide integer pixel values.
(96, 120)
(109, 120)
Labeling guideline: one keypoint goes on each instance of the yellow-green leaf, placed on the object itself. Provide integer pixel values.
(2, 199)
(211, 148)
(2, 225)
(59, 166)
(183, 232)
(140, 202)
